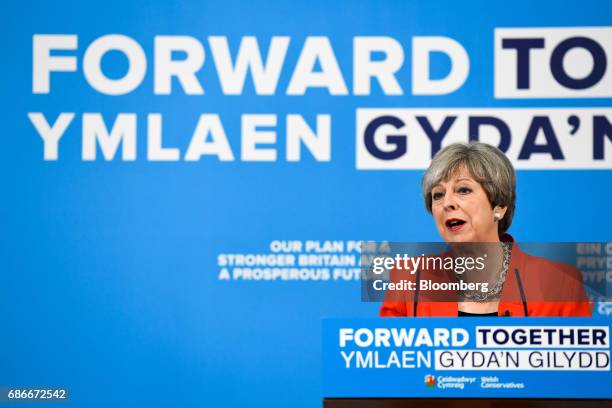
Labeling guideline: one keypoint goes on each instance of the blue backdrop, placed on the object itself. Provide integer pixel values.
(109, 269)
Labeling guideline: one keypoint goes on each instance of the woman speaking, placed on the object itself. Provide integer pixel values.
(470, 190)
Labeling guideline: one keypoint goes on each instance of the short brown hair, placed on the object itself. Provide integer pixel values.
(486, 164)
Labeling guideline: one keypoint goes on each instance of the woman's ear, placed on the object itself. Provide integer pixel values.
(499, 212)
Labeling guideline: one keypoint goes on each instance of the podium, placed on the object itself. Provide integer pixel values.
(466, 362)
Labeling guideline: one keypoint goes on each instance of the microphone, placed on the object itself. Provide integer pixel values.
(520, 285)
(415, 302)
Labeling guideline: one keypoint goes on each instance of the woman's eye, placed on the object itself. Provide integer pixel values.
(437, 196)
(464, 190)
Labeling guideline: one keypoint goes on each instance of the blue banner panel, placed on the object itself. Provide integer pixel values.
(467, 358)
(184, 184)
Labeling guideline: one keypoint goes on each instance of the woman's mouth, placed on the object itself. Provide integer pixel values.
(454, 224)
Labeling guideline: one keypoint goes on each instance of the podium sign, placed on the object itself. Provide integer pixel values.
(467, 358)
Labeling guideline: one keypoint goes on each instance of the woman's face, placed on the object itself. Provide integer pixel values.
(462, 211)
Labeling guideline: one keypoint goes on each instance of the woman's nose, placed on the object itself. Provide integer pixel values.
(449, 202)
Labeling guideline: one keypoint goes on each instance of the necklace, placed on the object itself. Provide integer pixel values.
(494, 290)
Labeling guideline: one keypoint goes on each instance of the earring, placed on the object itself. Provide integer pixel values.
(496, 217)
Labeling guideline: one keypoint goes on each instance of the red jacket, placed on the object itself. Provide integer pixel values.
(549, 289)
